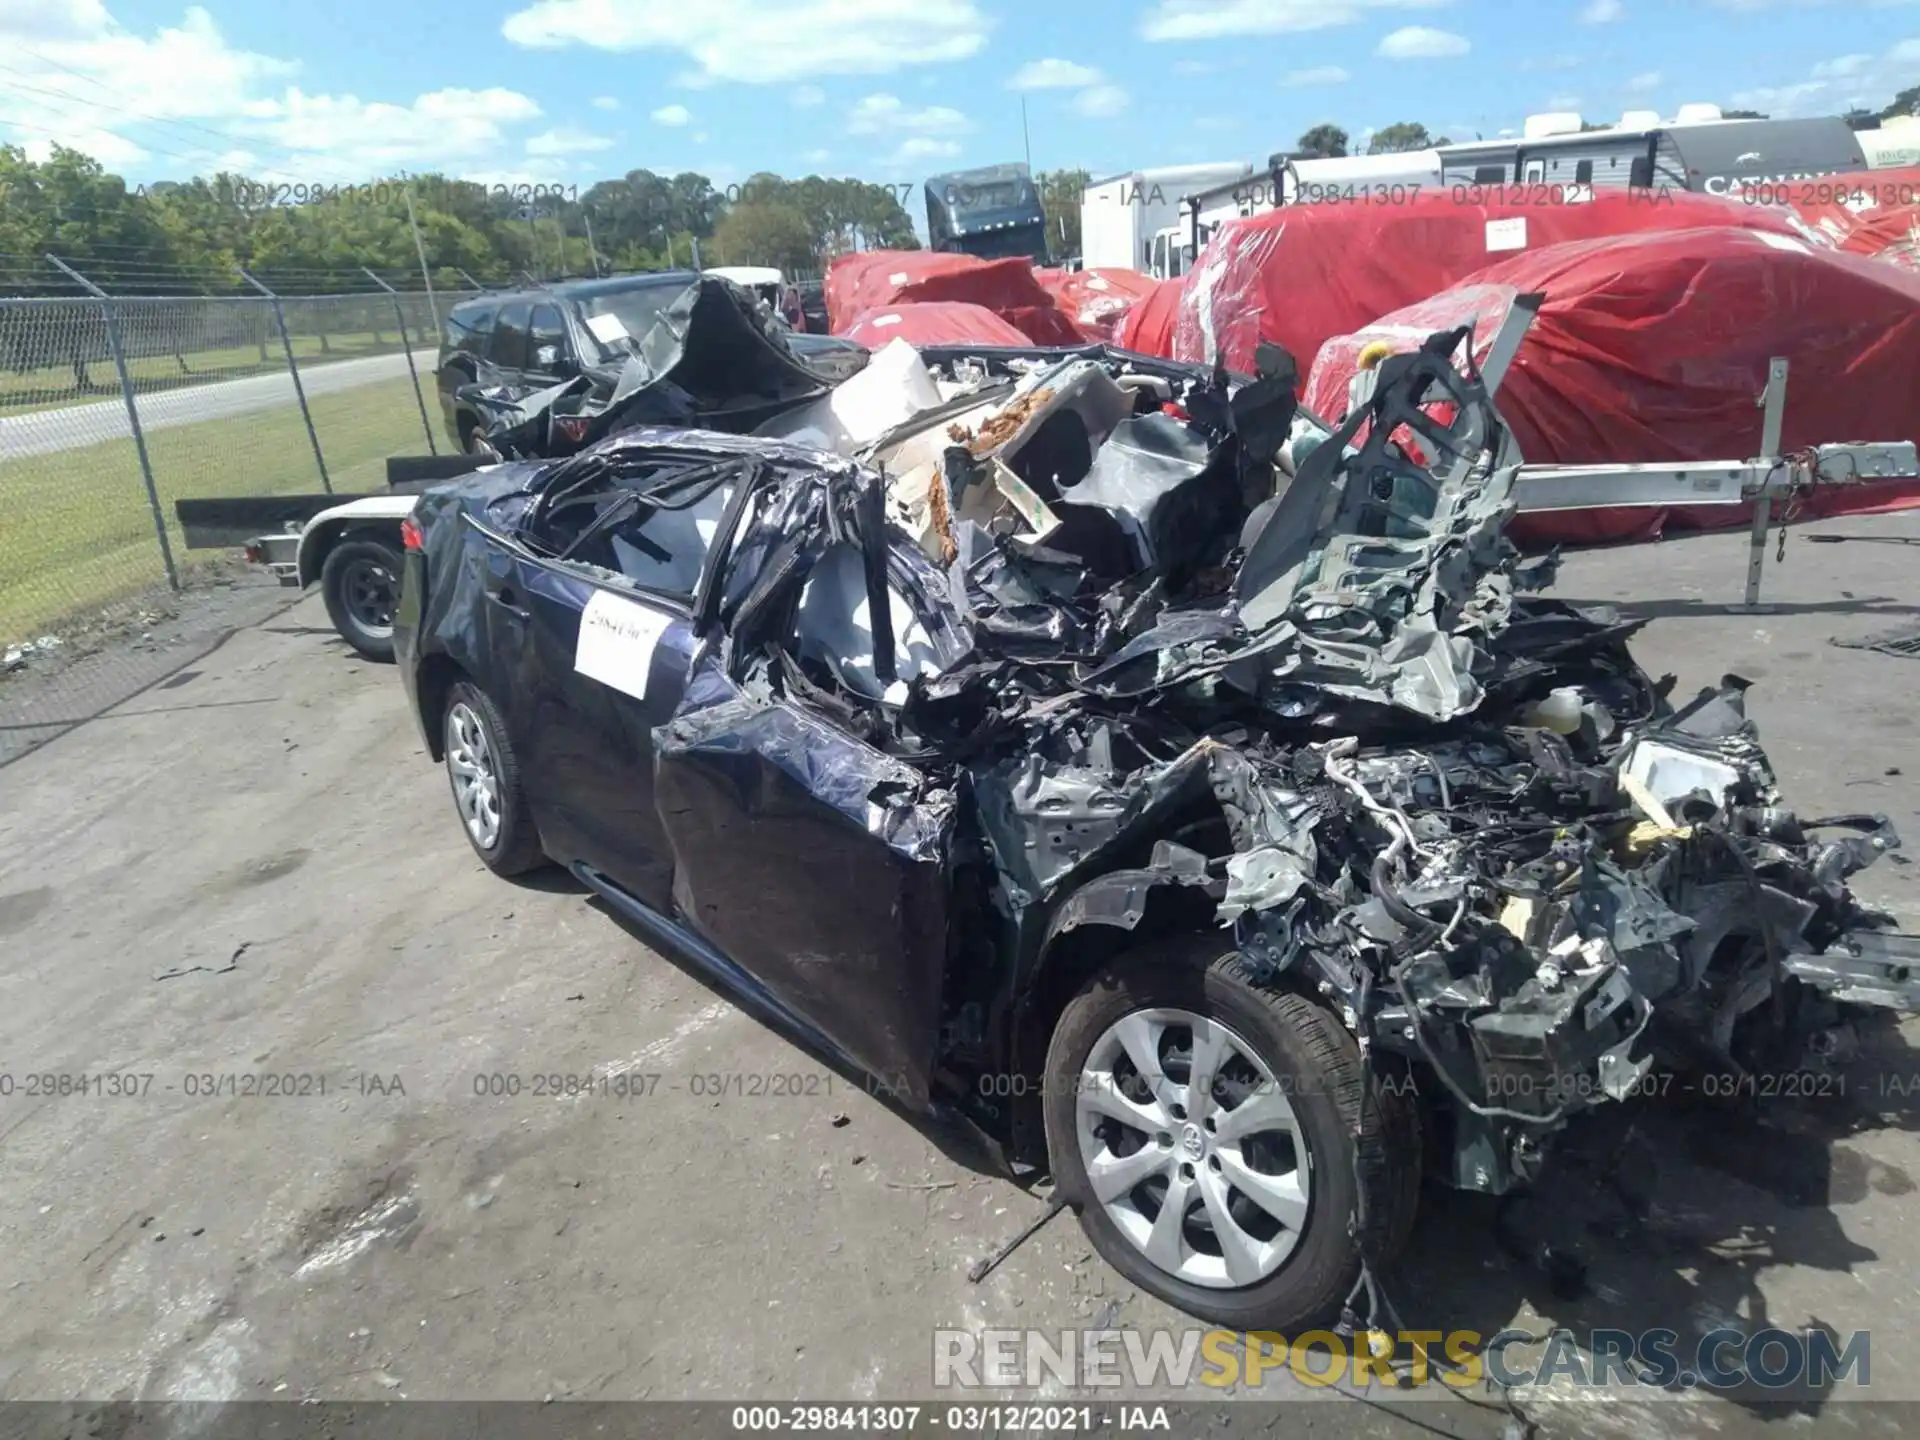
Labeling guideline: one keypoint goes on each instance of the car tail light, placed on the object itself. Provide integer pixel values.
(254, 555)
(410, 535)
(572, 428)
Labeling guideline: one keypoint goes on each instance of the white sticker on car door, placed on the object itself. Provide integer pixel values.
(617, 638)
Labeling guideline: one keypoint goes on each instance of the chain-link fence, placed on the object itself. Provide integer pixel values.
(225, 396)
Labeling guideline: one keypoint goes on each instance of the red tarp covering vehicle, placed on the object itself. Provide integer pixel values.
(875, 279)
(1654, 347)
(1148, 326)
(1304, 273)
(1866, 212)
(933, 322)
(1097, 300)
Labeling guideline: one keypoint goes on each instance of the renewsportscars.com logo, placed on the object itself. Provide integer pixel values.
(1661, 1359)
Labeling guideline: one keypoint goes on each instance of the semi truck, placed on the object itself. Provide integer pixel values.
(993, 212)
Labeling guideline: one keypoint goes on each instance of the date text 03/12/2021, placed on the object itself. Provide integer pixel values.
(1050, 1419)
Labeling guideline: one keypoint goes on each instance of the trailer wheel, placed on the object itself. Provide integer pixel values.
(361, 584)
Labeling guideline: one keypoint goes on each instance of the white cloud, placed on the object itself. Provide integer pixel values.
(699, 137)
(889, 115)
(1564, 102)
(817, 157)
(918, 149)
(1602, 12)
(1841, 67)
(1053, 75)
(1641, 84)
(808, 96)
(1751, 6)
(1422, 42)
(351, 139)
(114, 152)
(567, 141)
(1101, 102)
(764, 41)
(1551, 63)
(214, 106)
(1318, 75)
(672, 116)
(1215, 19)
(1838, 85)
(605, 102)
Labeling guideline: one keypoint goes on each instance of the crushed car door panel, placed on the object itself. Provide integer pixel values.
(820, 866)
(604, 667)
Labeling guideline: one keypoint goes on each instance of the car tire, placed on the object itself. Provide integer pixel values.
(484, 772)
(361, 585)
(1352, 1137)
(473, 440)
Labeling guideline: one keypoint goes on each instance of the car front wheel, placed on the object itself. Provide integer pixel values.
(485, 774)
(1215, 1136)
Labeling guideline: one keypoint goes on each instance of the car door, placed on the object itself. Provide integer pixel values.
(507, 346)
(604, 662)
(813, 860)
(550, 354)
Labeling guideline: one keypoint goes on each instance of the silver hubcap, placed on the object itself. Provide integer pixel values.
(371, 593)
(1192, 1148)
(476, 783)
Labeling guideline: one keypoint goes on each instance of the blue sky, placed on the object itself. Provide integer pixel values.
(569, 91)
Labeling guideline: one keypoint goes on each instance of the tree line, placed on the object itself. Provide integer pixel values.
(196, 236)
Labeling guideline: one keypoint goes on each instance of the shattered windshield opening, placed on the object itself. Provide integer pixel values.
(636, 310)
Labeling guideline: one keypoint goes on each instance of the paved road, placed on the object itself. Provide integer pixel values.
(256, 871)
(47, 431)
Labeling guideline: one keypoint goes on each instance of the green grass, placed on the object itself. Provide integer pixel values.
(52, 387)
(76, 533)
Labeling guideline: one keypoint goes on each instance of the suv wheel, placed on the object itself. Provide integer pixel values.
(473, 442)
(361, 585)
(485, 775)
(1215, 1137)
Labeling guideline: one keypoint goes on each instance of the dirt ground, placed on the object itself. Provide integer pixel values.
(252, 870)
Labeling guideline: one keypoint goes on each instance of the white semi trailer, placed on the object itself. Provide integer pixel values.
(1120, 215)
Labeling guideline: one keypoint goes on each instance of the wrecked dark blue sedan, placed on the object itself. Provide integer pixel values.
(1196, 798)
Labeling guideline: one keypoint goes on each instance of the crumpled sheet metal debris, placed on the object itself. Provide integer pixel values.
(713, 360)
(1287, 682)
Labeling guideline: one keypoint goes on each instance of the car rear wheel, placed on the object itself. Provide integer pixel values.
(1215, 1136)
(485, 775)
(361, 585)
(474, 441)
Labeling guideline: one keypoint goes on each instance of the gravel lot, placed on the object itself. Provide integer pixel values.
(252, 869)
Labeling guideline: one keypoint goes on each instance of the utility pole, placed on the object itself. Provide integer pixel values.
(1025, 138)
(420, 249)
(592, 249)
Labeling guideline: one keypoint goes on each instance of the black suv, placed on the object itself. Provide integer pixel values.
(533, 338)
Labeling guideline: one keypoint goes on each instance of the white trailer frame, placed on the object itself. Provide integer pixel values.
(1540, 489)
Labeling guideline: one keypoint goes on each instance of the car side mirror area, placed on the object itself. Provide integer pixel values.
(548, 357)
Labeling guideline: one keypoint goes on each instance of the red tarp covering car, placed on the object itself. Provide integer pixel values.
(933, 322)
(1654, 347)
(1864, 212)
(1148, 326)
(1097, 300)
(1304, 273)
(875, 279)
